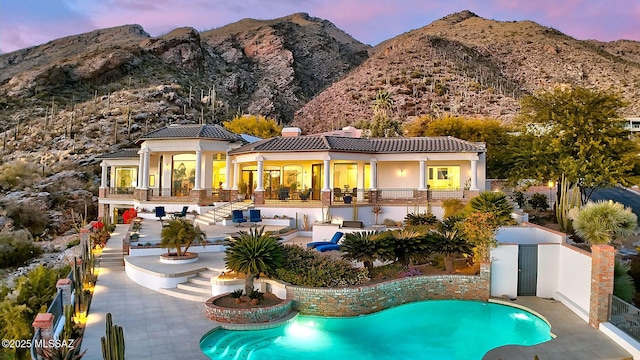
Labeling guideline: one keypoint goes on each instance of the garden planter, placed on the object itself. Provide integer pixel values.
(173, 258)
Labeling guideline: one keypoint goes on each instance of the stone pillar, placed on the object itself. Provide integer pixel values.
(423, 173)
(44, 323)
(258, 197)
(602, 260)
(64, 285)
(474, 175)
(198, 181)
(326, 197)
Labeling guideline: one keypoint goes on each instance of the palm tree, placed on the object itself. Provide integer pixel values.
(253, 253)
(181, 233)
(365, 247)
(382, 103)
(448, 241)
(495, 203)
(603, 222)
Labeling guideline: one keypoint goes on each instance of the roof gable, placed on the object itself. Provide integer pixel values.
(203, 131)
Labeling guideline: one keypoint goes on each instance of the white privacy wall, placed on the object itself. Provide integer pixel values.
(564, 272)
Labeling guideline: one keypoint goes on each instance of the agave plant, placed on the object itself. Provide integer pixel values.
(365, 247)
(253, 253)
(180, 234)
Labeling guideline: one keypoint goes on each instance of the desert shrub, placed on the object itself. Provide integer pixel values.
(16, 248)
(17, 175)
(539, 201)
(420, 219)
(28, 217)
(390, 223)
(451, 207)
(623, 285)
(73, 243)
(306, 267)
(519, 198)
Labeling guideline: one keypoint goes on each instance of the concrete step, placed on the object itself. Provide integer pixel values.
(185, 294)
(201, 280)
(209, 273)
(195, 288)
(204, 221)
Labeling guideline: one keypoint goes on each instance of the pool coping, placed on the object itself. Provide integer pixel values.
(524, 308)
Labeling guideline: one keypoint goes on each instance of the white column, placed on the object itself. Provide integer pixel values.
(140, 170)
(145, 169)
(373, 173)
(260, 160)
(103, 177)
(423, 165)
(327, 175)
(198, 180)
(474, 175)
(236, 175)
(227, 181)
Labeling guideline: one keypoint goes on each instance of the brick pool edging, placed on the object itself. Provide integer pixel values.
(247, 316)
(354, 301)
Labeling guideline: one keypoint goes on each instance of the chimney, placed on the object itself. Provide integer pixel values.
(291, 132)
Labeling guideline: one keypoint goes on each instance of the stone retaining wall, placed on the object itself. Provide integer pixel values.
(246, 316)
(354, 301)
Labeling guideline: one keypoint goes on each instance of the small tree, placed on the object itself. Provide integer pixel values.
(253, 253)
(254, 125)
(603, 222)
(479, 228)
(495, 203)
(366, 248)
(180, 234)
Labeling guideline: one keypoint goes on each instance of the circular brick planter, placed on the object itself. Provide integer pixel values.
(187, 258)
(246, 316)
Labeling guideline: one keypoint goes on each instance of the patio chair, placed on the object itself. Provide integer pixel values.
(337, 194)
(181, 214)
(254, 216)
(160, 213)
(238, 218)
(334, 240)
(283, 193)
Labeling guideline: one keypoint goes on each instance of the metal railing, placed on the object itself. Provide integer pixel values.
(625, 317)
(224, 210)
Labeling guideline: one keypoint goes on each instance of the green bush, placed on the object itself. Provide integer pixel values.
(30, 217)
(420, 219)
(539, 202)
(16, 248)
(17, 175)
(75, 242)
(310, 268)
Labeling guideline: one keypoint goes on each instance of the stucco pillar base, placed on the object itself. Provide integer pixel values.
(374, 196)
(602, 260)
(258, 197)
(423, 196)
(326, 197)
(141, 194)
(44, 322)
(198, 196)
(65, 286)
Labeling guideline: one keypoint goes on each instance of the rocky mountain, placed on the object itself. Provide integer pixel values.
(466, 65)
(74, 97)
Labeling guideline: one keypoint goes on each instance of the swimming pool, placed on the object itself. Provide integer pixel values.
(436, 329)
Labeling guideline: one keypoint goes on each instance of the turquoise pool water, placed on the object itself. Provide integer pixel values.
(446, 329)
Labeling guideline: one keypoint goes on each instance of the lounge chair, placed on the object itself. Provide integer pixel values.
(238, 217)
(334, 241)
(181, 214)
(328, 247)
(254, 216)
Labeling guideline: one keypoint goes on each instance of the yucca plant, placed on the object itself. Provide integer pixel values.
(253, 253)
(365, 247)
(603, 222)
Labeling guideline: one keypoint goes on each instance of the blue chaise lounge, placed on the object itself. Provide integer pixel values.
(334, 241)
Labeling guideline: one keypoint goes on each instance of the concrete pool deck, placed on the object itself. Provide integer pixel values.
(159, 327)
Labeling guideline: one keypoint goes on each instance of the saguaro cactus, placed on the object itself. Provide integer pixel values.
(113, 341)
(568, 199)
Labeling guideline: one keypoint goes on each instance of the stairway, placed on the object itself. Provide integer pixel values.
(196, 288)
(112, 259)
(215, 215)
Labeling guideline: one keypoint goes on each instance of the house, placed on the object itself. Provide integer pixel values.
(204, 166)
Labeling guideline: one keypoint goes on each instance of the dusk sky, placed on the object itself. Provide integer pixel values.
(25, 23)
